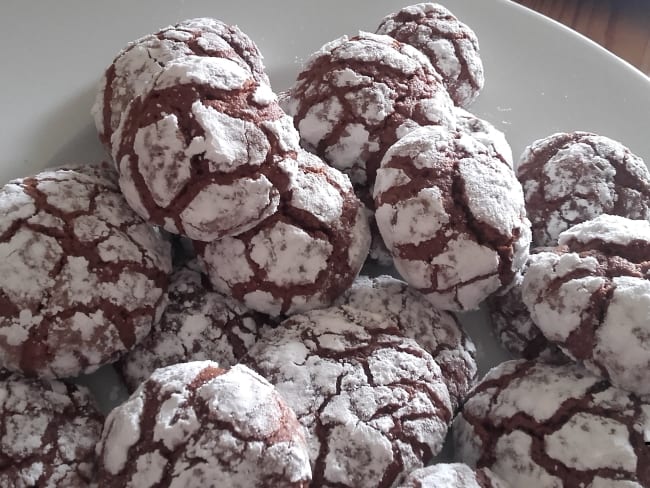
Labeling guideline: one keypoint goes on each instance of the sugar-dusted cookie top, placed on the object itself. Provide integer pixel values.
(197, 150)
(196, 425)
(437, 332)
(569, 178)
(134, 68)
(197, 324)
(546, 426)
(486, 133)
(83, 276)
(451, 46)
(591, 297)
(357, 95)
(49, 432)
(373, 402)
(303, 256)
(452, 214)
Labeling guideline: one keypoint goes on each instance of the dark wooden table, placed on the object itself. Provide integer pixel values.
(622, 26)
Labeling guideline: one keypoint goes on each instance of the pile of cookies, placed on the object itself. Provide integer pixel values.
(575, 410)
(215, 264)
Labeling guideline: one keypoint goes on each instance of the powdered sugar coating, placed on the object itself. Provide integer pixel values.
(593, 300)
(83, 277)
(442, 196)
(197, 324)
(486, 133)
(608, 229)
(373, 402)
(356, 96)
(451, 46)
(194, 425)
(49, 431)
(514, 326)
(304, 255)
(436, 332)
(135, 67)
(455, 475)
(569, 178)
(195, 150)
(542, 425)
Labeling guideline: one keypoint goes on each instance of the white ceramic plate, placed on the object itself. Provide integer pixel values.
(540, 78)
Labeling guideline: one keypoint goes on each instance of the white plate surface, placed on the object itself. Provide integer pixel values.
(540, 78)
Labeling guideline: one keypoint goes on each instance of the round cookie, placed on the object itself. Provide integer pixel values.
(356, 96)
(452, 215)
(373, 402)
(303, 256)
(197, 324)
(49, 431)
(194, 425)
(591, 296)
(569, 178)
(196, 151)
(438, 333)
(486, 133)
(83, 277)
(135, 67)
(451, 46)
(514, 326)
(549, 426)
(454, 475)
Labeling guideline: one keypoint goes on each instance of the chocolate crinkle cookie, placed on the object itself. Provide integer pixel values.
(486, 133)
(83, 277)
(439, 333)
(198, 324)
(356, 96)
(373, 402)
(514, 326)
(303, 256)
(569, 178)
(49, 431)
(194, 425)
(550, 426)
(196, 152)
(451, 46)
(135, 67)
(591, 296)
(454, 475)
(452, 215)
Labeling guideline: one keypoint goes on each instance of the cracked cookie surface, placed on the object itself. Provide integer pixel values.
(373, 402)
(48, 433)
(197, 324)
(486, 133)
(452, 215)
(303, 256)
(196, 151)
(194, 425)
(451, 46)
(569, 178)
(437, 332)
(356, 96)
(547, 426)
(83, 276)
(134, 68)
(591, 297)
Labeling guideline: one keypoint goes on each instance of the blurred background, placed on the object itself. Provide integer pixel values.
(622, 26)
